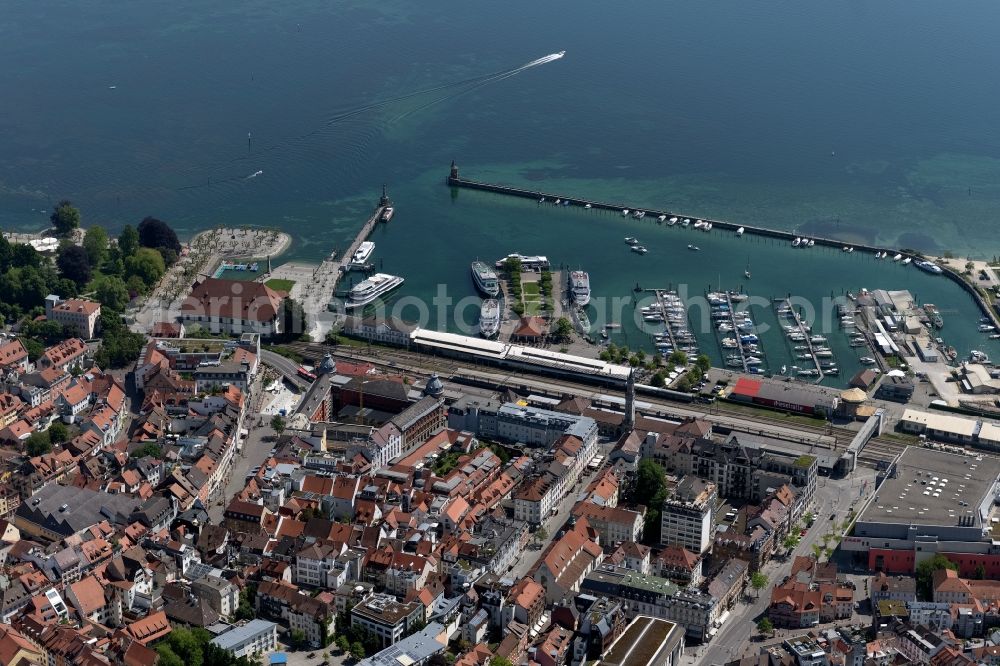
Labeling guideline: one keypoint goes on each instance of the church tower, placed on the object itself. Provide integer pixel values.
(630, 401)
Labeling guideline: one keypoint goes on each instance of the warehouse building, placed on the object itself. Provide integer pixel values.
(786, 395)
(932, 502)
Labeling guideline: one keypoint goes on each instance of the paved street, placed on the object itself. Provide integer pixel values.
(835, 496)
(288, 368)
(255, 450)
(554, 523)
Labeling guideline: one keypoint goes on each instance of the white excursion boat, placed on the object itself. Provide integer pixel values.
(361, 255)
(368, 291)
(489, 318)
(485, 278)
(579, 286)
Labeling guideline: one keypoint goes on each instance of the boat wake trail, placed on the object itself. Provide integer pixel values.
(440, 93)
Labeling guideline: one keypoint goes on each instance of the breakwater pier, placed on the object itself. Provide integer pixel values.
(454, 180)
(667, 216)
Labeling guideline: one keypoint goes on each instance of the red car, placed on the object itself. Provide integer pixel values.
(802, 533)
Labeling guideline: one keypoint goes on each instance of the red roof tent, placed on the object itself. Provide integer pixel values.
(748, 387)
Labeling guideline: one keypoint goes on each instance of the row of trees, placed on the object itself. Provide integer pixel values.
(192, 647)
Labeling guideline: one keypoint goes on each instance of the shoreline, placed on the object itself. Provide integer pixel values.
(199, 255)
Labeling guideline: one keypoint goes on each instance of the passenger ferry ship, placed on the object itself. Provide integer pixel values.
(485, 278)
(368, 291)
(579, 286)
(489, 318)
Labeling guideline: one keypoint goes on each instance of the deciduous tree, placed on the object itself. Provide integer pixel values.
(65, 218)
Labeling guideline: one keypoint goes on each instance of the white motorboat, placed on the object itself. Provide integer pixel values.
(796, 242)
(867, 360)
(639, 249)
(739, 232)
(897, 257)
(631, 240)
(929, 267)
(360, 257)
(694, 247)
(672, 221)
(907, 260)
(661, 218)
(624, 212)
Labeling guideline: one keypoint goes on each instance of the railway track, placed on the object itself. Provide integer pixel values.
(877, 450)
(397, 359)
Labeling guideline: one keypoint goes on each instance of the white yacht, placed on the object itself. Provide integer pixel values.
(929, 266)
(485, 278)
(579, 286)
(489, 318)
(368, 291)
(361, 255)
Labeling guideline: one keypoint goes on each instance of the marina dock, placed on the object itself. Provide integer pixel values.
(380, 214)
(454, 180)
(807, 337)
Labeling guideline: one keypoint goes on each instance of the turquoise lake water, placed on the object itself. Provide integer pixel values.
(866, 122)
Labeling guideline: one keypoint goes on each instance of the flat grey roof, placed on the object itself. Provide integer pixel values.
(239, 635)
(930, 486)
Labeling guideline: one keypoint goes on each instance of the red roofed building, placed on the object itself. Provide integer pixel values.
(526, 602)
(65, 355)
(797, 605)
(10, 406)
(76, 315)
(567, 561)
(529, 329)
(233, 306)
(13, 356)
(151, 628)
